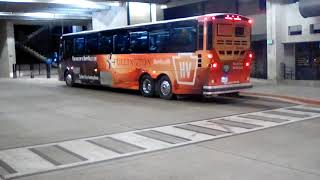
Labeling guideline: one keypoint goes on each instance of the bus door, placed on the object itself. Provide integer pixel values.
(105, 59)
(84, 61)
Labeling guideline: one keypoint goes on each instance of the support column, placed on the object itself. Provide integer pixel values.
(275, 32)
(7, 49)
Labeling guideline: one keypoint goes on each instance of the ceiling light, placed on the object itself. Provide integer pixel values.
(163, 6)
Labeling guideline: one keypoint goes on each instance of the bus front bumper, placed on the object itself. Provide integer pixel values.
(225, 89)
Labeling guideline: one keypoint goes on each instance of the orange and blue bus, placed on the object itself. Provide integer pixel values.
(204, 55)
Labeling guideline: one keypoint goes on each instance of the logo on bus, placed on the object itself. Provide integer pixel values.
(185, 66)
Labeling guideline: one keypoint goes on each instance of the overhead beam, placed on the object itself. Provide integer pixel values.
(68, 3)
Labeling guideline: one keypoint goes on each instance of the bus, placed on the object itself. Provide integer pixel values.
(205, 55)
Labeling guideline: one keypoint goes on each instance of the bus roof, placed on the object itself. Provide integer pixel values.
(145, 24)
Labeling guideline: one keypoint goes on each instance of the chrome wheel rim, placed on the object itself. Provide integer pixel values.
(165, 88)
(147, 86)
(69, 79)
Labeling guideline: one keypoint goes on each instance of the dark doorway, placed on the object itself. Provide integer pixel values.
(260, 64)
(308, 61)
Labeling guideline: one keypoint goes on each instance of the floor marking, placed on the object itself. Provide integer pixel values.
(201, 129)
(88, 150)
(193, 136)
(71, 153)
(221, 127)
(287, 114)
(298, 112)
(305, 110)
(116, 145)
(263, 114)
(235, 124)
(162, 137)
(276, 120)
(26, 161)
(23, 160)
(5, 167)
(250, 121)
(138, 140)
(46, 157)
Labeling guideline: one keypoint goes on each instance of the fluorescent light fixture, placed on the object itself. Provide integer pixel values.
(163, 6)
(77, 3)
(139, 9)
(45, 15)
(42, 15)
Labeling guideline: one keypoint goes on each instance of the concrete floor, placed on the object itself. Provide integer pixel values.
(40, 111)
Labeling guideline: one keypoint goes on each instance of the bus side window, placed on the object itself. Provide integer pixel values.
(121, 44)
(158, 41)
(183, 39)
(105, 44)
(79, 46)
(139, 42)
(92, 45)
(200, 35)
(68, 48)
(209, 36)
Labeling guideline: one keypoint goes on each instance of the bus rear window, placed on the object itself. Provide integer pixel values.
(225, 30)
(239, 31)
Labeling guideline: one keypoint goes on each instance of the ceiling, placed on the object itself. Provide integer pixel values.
(65, 10)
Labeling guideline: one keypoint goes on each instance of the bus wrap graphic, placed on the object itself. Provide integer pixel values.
(185, 66)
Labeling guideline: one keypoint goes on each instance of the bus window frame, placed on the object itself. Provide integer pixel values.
(108, 37)
(244, 31)
(68, 54)
(174, 46)
(209, 35)
(162, 47)
(200, 36)
(87, 47)
(142, 50)
(115, 42)
(75, 52)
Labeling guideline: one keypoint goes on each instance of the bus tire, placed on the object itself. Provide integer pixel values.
(147, 86)
(165, 88)
(69, 79)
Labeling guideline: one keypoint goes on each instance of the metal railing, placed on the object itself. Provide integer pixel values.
(287, 72)
(33, 70)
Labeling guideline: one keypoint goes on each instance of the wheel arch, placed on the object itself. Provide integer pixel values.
(143, 74)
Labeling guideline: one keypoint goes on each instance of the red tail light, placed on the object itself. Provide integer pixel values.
(237, 18)
(250, 21)
(228, 17)
(215, 65)
(250, 55)
(247, 64)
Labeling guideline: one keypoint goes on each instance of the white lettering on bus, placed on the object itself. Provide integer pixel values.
(185, 69)
(84, 58)
(86, 77)
(162, 61)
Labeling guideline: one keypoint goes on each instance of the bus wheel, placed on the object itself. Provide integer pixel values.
(69, 79)
(165, 88)
(147, 86)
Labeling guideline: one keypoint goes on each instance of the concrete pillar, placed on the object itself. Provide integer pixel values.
(111, 18)
(275, 32)
(7, 49)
